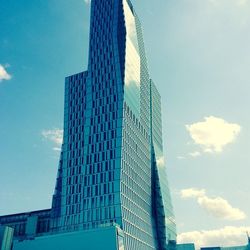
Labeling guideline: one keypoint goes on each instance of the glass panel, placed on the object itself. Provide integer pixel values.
(132, 62)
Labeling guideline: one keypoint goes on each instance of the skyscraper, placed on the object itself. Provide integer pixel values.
(112, 169)
(112, 165)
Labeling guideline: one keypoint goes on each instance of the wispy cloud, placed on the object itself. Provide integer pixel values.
(161, 162)
(87, 1)
(226, 236)
(57, 149)
(213, 134)
(234, 2)
(215, 206)
(195, 154)
(243, 2)
(192, 193)
(181, 157)
(55, 136)
(4, 75)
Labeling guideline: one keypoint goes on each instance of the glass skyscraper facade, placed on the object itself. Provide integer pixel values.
(111, 189)
(112, 168)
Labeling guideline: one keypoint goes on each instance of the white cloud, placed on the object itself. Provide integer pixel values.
(57, 149)
(4, 75)
(192, 193)
(227, 236)
(213, 134)
(220, 208)
(161, 162)
(216, 206)
(195, 154)
(54, 135)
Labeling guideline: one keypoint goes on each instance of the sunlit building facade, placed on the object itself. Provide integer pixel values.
(112, 165)
(112, 169)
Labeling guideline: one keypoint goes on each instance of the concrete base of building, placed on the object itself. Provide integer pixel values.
(106, 238)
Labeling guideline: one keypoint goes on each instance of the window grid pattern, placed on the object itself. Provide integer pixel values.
(105, 170)
(136, 155)
(159, 162)
(90, 192)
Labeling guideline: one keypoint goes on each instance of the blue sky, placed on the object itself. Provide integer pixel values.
(198, 55)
